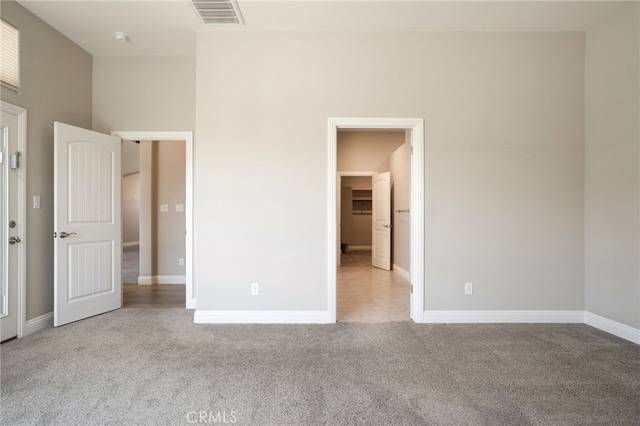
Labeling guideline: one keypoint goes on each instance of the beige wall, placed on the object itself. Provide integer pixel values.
(131, 208)
(144, 93)
(357, 182)
(504, 161)
(162, 234)
(169, 186)
(362, 151)
(400, 168)
(130, 157)
(55, 86)
(612, 187)
(360, 230)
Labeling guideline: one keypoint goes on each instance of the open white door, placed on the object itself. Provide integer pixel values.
(381, 239)
(87, 223)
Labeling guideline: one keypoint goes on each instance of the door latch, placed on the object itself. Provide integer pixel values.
(14, 162)
(14, 240)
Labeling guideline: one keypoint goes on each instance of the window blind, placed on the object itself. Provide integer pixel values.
(9, 56)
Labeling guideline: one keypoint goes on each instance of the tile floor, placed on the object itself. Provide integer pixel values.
(368, 294)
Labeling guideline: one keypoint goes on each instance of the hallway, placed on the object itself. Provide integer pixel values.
(367, 294)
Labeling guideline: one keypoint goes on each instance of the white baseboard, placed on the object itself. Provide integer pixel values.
(131, 244)
(261, 317)
(613, 327)
(38, 323)
(356, 248)
(450, 317)
(162, 279)
(402, 272)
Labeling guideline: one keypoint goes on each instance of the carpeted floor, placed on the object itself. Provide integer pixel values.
(139, 366)
(144, 366)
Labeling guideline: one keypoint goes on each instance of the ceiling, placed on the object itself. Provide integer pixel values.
(169, 27)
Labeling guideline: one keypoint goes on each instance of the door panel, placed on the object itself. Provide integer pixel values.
(12, 211)
(88, 237)
(381, 238)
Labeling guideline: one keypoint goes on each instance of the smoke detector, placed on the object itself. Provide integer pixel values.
(120, 36)
(218, 12)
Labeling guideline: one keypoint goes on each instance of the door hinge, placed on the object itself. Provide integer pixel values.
(411, 288)
(411, 149)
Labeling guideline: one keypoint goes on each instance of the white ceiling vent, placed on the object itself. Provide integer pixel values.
(218, 12)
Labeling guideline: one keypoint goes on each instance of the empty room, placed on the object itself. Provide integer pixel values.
(508, 219)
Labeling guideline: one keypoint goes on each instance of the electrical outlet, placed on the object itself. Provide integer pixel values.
(255, 289)
(468, 288)
(181, 261)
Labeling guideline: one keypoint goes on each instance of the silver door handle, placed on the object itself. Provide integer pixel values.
(65, 234)
(387, 226)
(14, 240)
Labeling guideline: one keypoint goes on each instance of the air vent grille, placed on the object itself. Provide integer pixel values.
(218, 12)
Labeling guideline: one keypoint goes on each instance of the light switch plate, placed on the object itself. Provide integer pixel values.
(179, 208)
(36, 201)
(164, 208)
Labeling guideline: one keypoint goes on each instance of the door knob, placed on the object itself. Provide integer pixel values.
(12, 224)
(14, 240)
(65, 234)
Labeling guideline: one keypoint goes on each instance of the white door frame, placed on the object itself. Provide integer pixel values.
(188, 138)
(21, 113)
(416, 125)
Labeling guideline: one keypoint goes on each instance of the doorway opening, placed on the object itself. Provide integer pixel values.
(159, 251)
(407, 212)
(374, 244)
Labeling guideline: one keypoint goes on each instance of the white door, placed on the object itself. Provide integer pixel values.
(12, 227)
(87, 223)
(381, 238)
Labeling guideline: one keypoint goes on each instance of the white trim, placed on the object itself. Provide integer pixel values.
(416, 125)
(38, 323)
(21, 114)
(479, 317)
(357, 174)
(613, 327)
(188, 138)
(131, 244)
(261, 317)
(359, 248)
(161, 279)
(402, 272)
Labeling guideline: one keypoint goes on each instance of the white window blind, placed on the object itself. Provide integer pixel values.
(9, 56)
